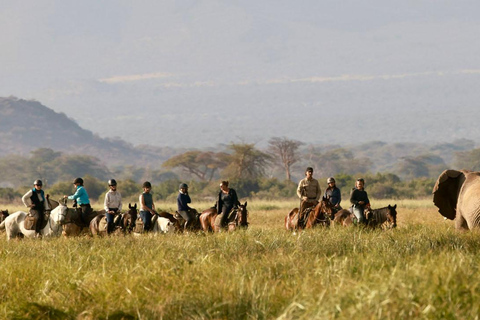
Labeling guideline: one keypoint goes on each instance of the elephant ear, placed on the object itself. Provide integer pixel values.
(445, 192)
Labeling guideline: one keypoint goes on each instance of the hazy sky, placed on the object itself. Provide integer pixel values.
(106, 62)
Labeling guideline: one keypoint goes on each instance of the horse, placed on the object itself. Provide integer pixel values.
(195, 224)
(375, 218)
(318, 215)
(236, 219)
(129, 218)
(3, 215)
(14, 224)
(385, 218)
(162, 222)
(98, 225)
(72, 223)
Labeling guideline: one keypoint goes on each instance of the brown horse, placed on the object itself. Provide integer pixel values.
(3, 215)
(238, 218)
(385, 218)
(73, 224)
(98, 225)
(318, 215)
(129, 218)
(195, 224)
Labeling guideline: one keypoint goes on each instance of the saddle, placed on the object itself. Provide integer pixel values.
(32, 217)
(303, 217)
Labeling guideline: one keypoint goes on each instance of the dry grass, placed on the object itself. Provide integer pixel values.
(423, 269)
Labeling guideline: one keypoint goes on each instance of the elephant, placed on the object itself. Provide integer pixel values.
(457, 196)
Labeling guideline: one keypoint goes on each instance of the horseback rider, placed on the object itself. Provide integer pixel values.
(227, 200)
(359, 200)
(82, 200)
(112, 204)
(187, 213)
(35, 200)
(147, 207)
(334, 196)
(308, 191)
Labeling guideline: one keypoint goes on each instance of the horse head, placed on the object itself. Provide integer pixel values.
(3, 215)
(242, 215)
(130, 217)
(392, 216)
(323, 211)
(59, 214)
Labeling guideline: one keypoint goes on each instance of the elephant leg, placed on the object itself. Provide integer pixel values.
(461, 223)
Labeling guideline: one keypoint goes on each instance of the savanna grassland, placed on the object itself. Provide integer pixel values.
(423, 269)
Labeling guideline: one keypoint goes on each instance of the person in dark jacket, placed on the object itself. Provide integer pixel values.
(187, 213)
(147, 207)
(359, 200)
(334, 196)
(226, 202)
(35, 200)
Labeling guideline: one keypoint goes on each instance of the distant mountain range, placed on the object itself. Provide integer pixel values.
(28, 125)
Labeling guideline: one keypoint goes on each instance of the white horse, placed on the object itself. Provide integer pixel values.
(14, 224)
(163, 225)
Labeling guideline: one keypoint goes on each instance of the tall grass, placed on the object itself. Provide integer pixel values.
(423, 269)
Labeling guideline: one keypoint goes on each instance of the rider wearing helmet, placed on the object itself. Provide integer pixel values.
(147, 207)
(112, 204)
(333, 194)
(35, 200)
(359, 200)
(183, 199)
(81, 197)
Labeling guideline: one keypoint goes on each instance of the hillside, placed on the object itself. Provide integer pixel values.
(29, 125)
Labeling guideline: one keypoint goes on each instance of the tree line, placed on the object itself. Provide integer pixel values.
(272, 172)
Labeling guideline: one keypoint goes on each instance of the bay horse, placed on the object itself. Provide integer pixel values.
(385, 218)
(129, 218)
(239, 218)
(3, 215)
(319, 215)
(98, 225)
(72, 222)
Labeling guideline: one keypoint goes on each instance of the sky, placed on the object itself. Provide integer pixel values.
(216, 71)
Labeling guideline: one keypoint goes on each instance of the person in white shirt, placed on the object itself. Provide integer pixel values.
(112, 204)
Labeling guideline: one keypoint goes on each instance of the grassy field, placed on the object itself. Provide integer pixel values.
(423, 269)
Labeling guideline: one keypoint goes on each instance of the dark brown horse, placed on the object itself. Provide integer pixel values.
(318, 215)
(385, 218)
(3, 215)
(129, 218)
(237, 219)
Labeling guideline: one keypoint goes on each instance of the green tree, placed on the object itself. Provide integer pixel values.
(202, 165)
(285, 153)
(246, 162)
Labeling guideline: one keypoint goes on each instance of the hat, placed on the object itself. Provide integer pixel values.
(309, 169)
(331, 179)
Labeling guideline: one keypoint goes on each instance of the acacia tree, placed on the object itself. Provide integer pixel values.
(246, 162)
(284, 152)
(203, 165)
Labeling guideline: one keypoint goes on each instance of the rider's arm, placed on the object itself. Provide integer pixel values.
(319, 191)
(300, 189)
(26, 199)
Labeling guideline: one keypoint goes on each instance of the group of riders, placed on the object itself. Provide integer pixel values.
(309, 192)
(35, 199)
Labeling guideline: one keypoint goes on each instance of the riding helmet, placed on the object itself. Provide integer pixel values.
(79, 181)
(331, 179)
(183, 186)
(38, 183)
(112, 182)
(147, 184)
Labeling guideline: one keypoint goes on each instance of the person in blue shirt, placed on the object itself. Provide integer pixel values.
(83, 202)
(187, 213)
